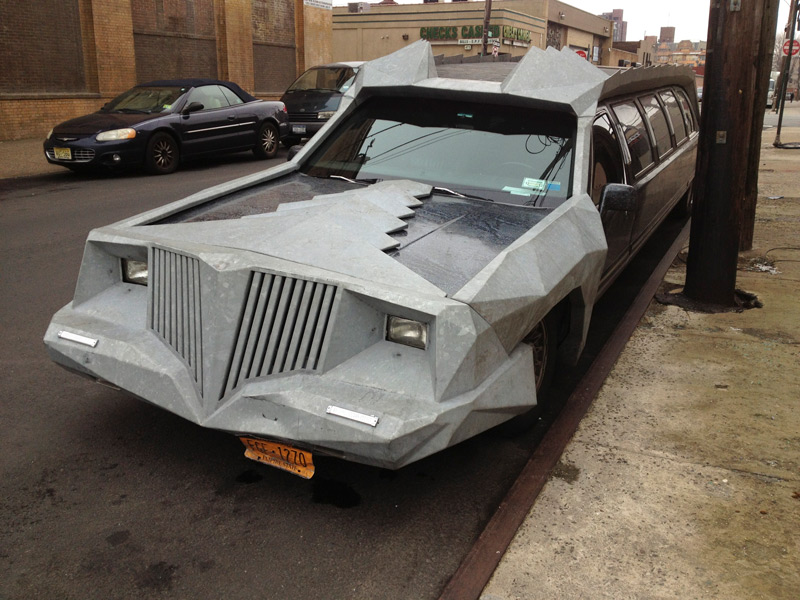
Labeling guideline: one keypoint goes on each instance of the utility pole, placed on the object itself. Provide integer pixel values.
(487, 16)
(734, 32)
(763, 63)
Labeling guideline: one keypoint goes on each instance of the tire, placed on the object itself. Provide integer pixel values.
(290, 141)
(267, 145)
(544, 343)
(543, 340)
(162, 155)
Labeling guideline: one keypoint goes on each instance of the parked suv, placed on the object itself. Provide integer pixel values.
(314, 97)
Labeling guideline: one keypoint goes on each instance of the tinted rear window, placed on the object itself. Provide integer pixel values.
(658, 123)
(675, 115)
(635, 133)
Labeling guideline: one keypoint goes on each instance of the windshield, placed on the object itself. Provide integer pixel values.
(502, 153)
(328, 79)
(146, 99)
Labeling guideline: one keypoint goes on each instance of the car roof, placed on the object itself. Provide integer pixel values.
(558, 79)
(197, 82)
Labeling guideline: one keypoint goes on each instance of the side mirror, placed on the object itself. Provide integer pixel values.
(618, 196)
(293, 151)
(192, 107)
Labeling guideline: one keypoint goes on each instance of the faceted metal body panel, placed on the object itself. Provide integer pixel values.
(268, 296)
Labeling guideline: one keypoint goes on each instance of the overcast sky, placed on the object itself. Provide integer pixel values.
(689, 17)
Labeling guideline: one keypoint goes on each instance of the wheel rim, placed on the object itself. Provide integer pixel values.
(268, 140)
(537, 340)
(163, 154)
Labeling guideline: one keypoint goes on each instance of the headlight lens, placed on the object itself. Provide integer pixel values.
(407, 332)
(325, 114)
(116, 134)
(49, 134)
(134, 271)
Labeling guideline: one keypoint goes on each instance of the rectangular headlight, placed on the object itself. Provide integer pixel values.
(325, 114)
(407, 332)
(134, 271)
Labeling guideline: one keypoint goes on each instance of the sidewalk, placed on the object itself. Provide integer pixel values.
(23, 158)
(683, 480)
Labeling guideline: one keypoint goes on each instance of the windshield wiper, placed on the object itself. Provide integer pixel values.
(448, 192)
(130, 110)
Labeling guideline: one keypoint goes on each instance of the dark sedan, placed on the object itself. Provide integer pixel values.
(158, 124)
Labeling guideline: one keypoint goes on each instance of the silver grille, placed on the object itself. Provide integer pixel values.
(283, 327)
(78, 155)
(175, 306)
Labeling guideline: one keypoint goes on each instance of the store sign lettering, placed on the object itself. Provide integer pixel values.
(438, 33)
(515, 33)
(452, 33)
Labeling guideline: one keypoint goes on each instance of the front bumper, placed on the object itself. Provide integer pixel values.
(293, 407)
(305, 129)
(88, 152)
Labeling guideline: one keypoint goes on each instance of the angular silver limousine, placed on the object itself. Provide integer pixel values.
(405, 281)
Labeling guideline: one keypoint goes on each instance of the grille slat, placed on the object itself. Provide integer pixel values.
(283, 327)
(303, 117)
(175, 306)
(78, 155)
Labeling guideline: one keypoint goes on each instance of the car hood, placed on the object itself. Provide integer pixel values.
(309, 101)
(101, 121)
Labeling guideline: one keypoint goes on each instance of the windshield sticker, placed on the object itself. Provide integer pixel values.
(519, 191)
(541, 186)
(167, 106)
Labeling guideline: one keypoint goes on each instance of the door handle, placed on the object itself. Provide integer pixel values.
(231, 118)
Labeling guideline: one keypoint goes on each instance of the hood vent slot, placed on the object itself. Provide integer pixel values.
(283, 327)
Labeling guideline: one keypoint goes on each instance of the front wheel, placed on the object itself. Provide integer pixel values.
(267, 146)
(162, 154)
(543, 342)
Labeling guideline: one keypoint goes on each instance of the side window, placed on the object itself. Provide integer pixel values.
(607, 160)
(630, 120)
(210, 96)
(688, 116)
(675, 115)
(230, 96)
(658, 123)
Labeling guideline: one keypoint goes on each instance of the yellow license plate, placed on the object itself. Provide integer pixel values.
(280, 455)
(63, 153)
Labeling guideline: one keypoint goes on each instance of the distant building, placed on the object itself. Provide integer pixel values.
(667, 35)
(620, 26)
(685, 52)
(364, 31)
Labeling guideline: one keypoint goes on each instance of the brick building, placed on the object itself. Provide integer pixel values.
(65, 58)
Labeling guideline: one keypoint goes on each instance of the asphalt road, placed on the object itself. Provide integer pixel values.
(104, 496)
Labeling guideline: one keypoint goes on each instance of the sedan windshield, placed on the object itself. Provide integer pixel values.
(146, 99)
(327, 79)
(503, 153)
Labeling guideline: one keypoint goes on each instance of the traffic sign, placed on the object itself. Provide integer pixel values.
(795, 48)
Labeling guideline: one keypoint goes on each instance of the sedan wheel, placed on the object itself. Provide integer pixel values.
(267, 141)
(162, 154)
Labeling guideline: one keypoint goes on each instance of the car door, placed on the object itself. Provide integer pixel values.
(608, 167)
(212, 128)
